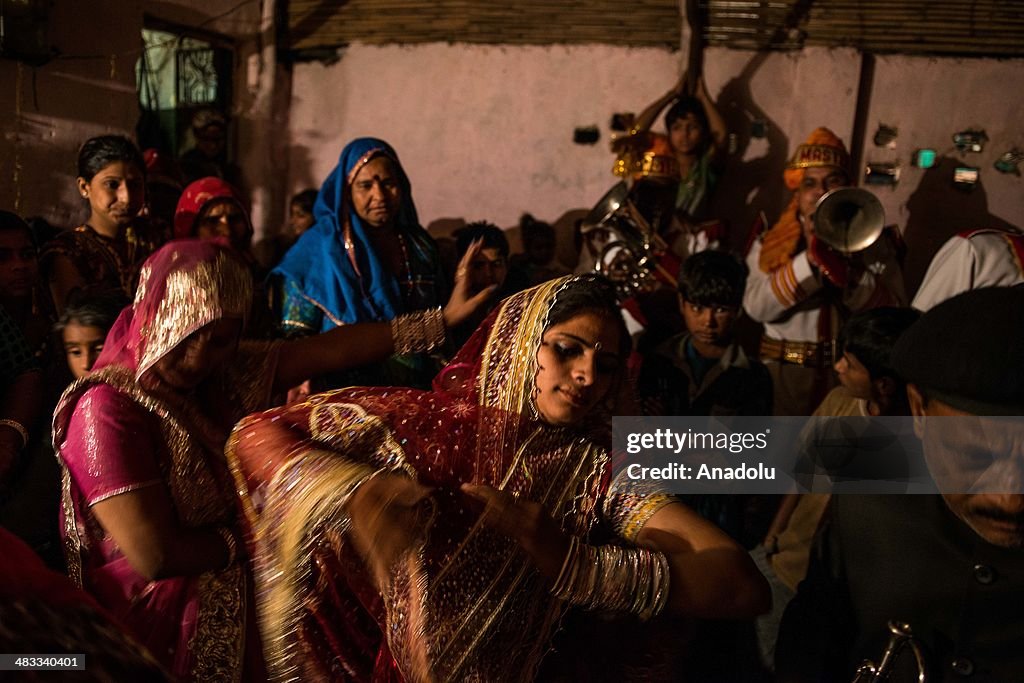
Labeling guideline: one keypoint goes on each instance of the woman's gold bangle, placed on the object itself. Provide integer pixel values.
(18, 427)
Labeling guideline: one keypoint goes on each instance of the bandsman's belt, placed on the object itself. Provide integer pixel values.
(807, 354)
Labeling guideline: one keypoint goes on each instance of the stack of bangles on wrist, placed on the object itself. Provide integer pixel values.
(419, 331)
(231, 543)
(614, 578)
(18, 427)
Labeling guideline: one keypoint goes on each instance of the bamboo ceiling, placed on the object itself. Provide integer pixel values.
(965, 27)
(317, 24)
(323, 24)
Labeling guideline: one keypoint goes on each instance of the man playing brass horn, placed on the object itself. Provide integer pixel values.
(800, 288)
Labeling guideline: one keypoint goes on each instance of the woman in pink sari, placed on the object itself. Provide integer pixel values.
(148, 504)
(372, 559)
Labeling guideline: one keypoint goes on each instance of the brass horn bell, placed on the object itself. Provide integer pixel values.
(849, 219)
(628, 256)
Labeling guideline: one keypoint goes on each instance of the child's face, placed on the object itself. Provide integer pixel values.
(854, 376)
(299, 220)
(223, 218)
(82, 346)
(711, 325)
(686, 134)
(488, 268)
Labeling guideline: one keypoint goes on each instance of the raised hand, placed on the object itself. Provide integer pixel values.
(388, 513)
(462, 303)
(834, 266)
(525, 521)
(679, 89)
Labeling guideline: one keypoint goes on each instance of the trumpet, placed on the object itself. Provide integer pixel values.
(900, 637)
(849, 219)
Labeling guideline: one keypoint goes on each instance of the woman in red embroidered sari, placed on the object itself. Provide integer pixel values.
(148, 504)
(373, 561)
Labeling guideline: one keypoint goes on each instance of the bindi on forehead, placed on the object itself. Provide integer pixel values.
(595, 344)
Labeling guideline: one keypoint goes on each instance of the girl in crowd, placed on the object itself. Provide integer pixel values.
(83, 328)
(373, 559)
(365, 259)
(269, 251)
(148, 503)
(300, 213)
(213, 209)
(108, 249)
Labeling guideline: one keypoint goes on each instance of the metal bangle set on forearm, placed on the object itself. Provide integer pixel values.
(419, 331)
(18, 427)
(614, 578)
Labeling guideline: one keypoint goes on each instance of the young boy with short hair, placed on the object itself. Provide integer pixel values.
(703, 371)
(868, 386)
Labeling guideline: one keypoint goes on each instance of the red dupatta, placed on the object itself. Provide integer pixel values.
(462, 602)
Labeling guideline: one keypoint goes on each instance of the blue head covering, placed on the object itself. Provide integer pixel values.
(322, 268)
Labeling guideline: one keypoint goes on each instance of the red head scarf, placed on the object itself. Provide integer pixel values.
(195, 198)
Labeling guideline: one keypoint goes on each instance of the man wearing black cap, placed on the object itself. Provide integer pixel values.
(951, 566)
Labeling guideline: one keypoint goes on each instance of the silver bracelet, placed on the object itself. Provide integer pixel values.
(614, 578)
(18, 427)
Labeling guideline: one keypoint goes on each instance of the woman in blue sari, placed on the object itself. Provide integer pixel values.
(365, 259)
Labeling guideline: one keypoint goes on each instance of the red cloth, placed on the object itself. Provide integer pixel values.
(196, 196)
(477, 425)
(24, 575)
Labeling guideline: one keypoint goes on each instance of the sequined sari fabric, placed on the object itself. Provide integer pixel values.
(120, 430)
(461, 602)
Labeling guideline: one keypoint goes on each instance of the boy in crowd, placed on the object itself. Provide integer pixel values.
(490, 269)
(868, 386)
(703, 371)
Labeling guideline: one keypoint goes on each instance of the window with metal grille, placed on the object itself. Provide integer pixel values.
(177, 75)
